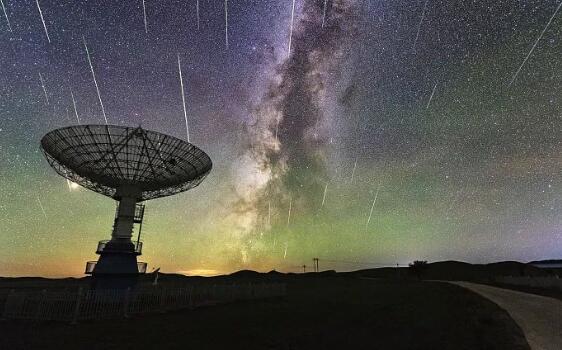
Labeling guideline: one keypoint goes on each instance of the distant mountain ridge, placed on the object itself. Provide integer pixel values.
(548, 261)
(444, 270)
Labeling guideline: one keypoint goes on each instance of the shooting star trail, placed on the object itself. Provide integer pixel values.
(95, 81)
(324, 13)
(197, 10)
(291, 29)
(42, 209)
(353, 171)
(183, 100)
(431, 97)
(290, 207)
(226, 22)
(324, 197)
(43, 20)
(535, 45)
(43, 86)
(74, 105)
(373, 205)
(419, 25)
(269, 214)
(144, 17)
(6, 15)
(67, 115)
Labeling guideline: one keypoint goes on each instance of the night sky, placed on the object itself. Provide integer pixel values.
(389, 131)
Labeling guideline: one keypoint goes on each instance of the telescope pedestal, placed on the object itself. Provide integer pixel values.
(117, 259)
(117, 266)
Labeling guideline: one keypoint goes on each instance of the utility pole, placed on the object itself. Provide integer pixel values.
(316, 269)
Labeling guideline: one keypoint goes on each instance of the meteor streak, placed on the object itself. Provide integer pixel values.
(226, 22)
(289, 216)
(324, 14)
(74, 105)
(197, 10)
(373, 205)
(95, 81)
(269, 213)
(43, 20)
(324, 197)
(6, 15)
(144, 16)
(419, 25)
(42, 209)
(183, 100)
(277, 130)
(291, 29)
(431, 97)
(353, 171)
(43, 86)
(535, 44)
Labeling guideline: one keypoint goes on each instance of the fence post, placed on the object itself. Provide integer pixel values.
(6, 303)
(126, 302)
(191, 297)
(77, 306)
(162, 300)
(39, 304)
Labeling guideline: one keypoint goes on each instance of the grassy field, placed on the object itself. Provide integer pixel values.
(318, 313)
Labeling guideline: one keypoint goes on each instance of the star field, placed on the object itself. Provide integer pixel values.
(411, 112)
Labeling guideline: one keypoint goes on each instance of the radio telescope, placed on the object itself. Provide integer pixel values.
(130, 165)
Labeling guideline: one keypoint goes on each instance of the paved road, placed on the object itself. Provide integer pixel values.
(539, 317)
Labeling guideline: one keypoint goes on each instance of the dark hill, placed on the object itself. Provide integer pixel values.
(457, 270)
(547, 261)
(245, 274)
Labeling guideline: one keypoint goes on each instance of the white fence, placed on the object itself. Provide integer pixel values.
(102, 304)
(538, 282)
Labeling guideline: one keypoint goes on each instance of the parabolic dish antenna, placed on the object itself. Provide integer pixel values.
(104, 158)
(130, 165)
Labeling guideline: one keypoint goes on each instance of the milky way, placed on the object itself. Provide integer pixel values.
(286, 144)
(388, 131)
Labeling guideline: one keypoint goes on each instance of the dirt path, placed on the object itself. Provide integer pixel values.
(539, 317)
